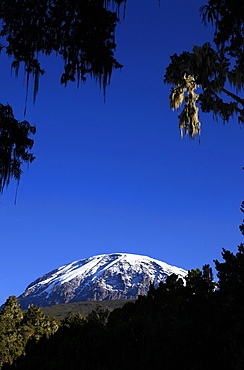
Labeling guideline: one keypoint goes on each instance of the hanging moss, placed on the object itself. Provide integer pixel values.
(209, 71)
(215, 70)
(14, 145)
(80, 31)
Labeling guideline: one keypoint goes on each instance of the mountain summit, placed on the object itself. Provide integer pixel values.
(106, 276)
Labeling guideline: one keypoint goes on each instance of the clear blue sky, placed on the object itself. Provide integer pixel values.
(116, 176)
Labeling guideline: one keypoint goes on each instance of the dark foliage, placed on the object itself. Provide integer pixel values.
(81, 32)
(228, 18)
(216, 71)
(14, 145)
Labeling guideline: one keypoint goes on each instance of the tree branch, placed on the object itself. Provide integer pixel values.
(233, 96)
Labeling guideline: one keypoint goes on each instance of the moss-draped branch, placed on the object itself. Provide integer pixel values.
(217, 72)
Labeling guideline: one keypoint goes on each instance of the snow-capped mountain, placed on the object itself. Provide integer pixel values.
(107, 276)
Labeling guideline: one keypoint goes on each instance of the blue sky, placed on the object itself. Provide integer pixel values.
(116, 176)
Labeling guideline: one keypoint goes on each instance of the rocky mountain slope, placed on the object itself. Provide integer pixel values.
(102, 277)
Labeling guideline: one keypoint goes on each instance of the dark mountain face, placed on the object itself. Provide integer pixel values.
(108, 276)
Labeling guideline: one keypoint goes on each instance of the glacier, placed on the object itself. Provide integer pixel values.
(101, 277)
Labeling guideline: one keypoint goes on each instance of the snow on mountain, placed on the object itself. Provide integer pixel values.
(106, 276)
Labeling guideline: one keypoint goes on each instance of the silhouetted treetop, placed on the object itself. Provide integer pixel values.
(231, 271)
(227, 16)
(211, 77)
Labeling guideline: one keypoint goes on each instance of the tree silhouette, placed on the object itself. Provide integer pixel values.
(14, 146)
(81, 32)
(213, 71)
